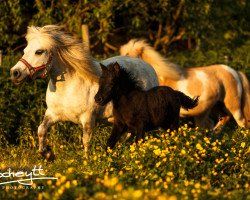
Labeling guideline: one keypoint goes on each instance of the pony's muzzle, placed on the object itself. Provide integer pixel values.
(15, 75)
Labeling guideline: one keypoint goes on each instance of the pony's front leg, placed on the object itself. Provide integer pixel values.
(47, 122)
(204, 121)
(138, 132)
(117, 131)
(88, 122)
(224, 117)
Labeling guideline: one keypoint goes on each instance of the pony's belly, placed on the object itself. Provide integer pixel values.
(66, 114)
(65, 110)
(73, 111)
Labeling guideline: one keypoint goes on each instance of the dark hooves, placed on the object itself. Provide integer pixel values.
(48, 154)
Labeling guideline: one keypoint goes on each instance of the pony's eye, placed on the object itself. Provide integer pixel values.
(39, 51)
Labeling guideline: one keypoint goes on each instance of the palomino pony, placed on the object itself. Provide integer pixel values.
(73, 80)
(220, 87)
(136, 110)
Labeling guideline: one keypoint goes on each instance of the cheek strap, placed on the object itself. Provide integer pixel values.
(34, 70)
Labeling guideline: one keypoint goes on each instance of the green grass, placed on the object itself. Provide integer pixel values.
(190, 164)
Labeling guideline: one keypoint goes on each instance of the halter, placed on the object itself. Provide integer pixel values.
(34, 70)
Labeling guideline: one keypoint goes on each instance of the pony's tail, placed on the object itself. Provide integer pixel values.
(187, 102)
(245, 97)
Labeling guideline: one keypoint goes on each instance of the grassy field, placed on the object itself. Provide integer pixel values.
(190, 164)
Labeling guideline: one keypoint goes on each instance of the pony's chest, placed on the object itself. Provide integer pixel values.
(71, 102)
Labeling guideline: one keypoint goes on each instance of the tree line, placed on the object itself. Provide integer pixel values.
(169, 25)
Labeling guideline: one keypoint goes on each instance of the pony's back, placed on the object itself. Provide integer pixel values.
(164, 105)
(141, 49)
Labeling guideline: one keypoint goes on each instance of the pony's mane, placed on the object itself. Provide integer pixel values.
(140, 48)
(69, 50)
(125, 79)
(128, 79)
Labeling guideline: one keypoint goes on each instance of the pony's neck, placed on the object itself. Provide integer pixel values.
(62, 76)
(126, 84)
(60, 72)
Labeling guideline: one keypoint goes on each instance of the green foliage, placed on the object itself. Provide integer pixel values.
(237, 58)
(201, 24)
(11, 20)
(21, 108)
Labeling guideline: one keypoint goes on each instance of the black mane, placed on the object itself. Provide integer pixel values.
(126, 81)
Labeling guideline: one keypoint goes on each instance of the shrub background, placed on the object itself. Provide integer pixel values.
(190, 165)
(212, 31)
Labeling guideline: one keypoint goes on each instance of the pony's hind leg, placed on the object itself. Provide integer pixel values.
(233, 97)
(48, 120)
(233, 105)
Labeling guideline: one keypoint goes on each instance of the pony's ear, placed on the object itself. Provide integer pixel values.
(104, 68)
(117, 68)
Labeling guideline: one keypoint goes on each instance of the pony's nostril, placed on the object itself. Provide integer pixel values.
(98, 99)
(16, 73)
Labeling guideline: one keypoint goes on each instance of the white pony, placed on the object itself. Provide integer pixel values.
(73, 79)
(221, 88)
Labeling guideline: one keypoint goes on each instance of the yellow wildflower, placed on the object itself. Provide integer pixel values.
(197, 185)
(132, 148)
(137, 194)
(198, 146)
(110, 182)
(243, 144)
(157, 152)
(74, 182)
(170, 174)
(183, 152)
(49, 182)
(67, 184)
(158, 164)
(118, 187)
(70, 170)
(120, 173)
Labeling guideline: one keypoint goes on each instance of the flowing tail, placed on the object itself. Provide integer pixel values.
(187, 102)
(245, 97)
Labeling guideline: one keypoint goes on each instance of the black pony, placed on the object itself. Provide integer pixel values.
(136, 110)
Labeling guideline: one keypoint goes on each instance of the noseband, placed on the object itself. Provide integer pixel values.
(34, 70)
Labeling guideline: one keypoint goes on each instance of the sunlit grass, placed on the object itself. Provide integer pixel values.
(190, 164)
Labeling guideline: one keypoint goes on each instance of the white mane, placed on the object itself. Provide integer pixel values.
(68, 49)
(141, 49)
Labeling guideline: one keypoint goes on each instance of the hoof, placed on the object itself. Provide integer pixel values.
(216, 131)
(48, 154)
